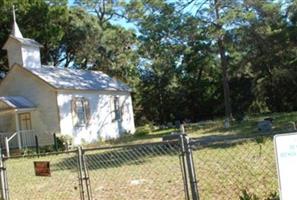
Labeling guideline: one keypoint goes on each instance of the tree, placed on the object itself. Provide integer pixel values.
(38, 19)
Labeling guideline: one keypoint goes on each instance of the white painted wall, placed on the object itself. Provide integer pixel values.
(24, 55)
(7, 122)
(14, 52)
(100, 125)
(45, 119)
(31, 56)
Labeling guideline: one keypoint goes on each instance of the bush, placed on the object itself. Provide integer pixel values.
(46, 149)
(248, 196)
(143, 130)
(63, 142)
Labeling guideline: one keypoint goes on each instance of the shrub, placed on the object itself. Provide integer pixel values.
(63, 142)
(143, 130)
(246, 196)
(249, 196)
(46, 149)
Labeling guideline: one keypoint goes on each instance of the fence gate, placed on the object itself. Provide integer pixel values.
(61, 183)
(144, 171)
(161, 170)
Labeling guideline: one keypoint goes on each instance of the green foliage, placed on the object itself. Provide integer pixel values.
(171, 61)
(46, 149)
(28, 151)
(63, 141)
(249, 196)
(273, 196)
(143, 130)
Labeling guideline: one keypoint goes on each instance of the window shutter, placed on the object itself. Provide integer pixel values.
(112, 109)
(87, 110)
(73, 110)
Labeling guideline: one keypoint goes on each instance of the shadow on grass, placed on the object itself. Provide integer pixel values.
(227, 141)
(124, 156)
(134, 138)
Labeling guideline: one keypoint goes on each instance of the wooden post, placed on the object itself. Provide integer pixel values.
(7, 147)
(17, 125)
(19, 140)
(37, 145)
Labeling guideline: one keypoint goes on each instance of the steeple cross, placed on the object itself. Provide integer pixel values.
(13, 13)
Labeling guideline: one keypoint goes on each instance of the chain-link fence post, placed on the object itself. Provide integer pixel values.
(3, 178)
(184, 166)
(189, 166)
(86, 177)
(80, 173)
(84, 181)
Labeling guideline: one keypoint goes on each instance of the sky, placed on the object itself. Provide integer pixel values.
(120, 22)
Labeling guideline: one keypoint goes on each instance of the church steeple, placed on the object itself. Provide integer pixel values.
(15, 28)
(22, 51)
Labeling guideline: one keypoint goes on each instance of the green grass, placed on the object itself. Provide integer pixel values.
(223, 171)
(247, 127)
(150, 173)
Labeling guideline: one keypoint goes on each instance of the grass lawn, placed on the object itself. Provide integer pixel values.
(223, 171)
(247, 127)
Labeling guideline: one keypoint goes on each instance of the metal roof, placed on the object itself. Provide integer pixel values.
(28, 42)
(17, 102)
(23, 41)
(78, 79)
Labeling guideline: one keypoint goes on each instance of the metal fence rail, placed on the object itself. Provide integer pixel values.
(182, 169)
(62, 183)
(226, 169)
(135, 172)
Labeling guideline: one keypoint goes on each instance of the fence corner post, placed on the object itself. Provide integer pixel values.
(3, 179)
(6, 147)
(80, 172)
(190, 167)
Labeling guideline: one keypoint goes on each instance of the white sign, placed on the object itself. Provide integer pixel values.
(286, 156)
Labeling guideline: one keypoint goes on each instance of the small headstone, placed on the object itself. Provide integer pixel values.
(170, 125)
(182, 129)
(226, 123)
(265, 126)
(177, 124)
(291, 126)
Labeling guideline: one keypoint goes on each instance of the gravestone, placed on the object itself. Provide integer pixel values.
(291, 126)
(265, 126)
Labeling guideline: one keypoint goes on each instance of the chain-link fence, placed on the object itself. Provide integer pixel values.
(226, 169)
(162, 170)
(61, 184)
(149, 171)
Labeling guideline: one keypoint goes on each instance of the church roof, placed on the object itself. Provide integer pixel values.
(78, 79)
(16, 30)
(17, 35)
(23, 41)
(17, 102)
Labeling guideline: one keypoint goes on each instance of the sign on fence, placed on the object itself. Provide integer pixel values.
(286, 154)
(42, 168)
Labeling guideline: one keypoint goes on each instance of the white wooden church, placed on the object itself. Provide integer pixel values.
(42, 100)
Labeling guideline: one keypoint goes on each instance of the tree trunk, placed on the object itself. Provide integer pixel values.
(224, 65)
